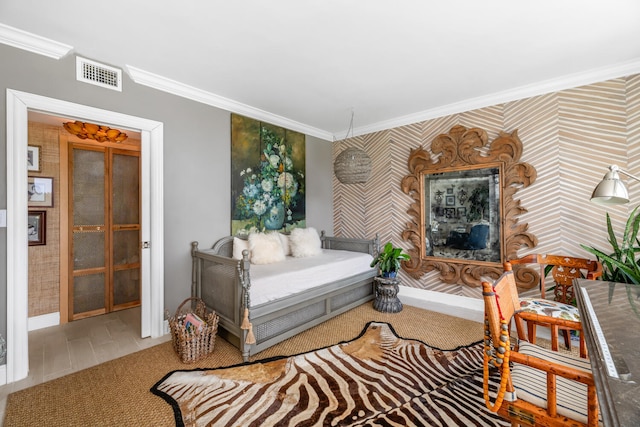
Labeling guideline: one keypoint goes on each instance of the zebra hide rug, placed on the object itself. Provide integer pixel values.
(376, 379)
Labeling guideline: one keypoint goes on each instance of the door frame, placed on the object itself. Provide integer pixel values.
(152, 219)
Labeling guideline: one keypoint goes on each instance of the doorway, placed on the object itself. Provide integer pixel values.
(152, 221)
(104, 228)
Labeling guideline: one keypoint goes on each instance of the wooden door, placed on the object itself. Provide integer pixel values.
(104, 227)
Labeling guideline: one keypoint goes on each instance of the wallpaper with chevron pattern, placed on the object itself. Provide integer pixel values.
(570, 137)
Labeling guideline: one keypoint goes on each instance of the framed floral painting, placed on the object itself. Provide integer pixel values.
(267, 177)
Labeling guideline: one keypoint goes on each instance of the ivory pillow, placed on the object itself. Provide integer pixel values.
(266, 248)
(286, 248)
(305, 242)
(240, 245)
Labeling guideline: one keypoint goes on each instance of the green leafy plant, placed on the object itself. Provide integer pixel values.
(478, 204)
(621, 265)
(388, 260)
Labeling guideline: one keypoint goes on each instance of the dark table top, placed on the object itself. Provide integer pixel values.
(611, 321)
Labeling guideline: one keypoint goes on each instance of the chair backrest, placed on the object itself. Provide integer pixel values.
(500, 300)
(564, 269)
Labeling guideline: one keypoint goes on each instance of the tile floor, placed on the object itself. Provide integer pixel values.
(61, 350)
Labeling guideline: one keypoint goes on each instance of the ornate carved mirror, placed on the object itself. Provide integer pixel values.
(464, 217)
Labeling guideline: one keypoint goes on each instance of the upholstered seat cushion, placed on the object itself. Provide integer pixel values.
(550, 308)
(531, 384)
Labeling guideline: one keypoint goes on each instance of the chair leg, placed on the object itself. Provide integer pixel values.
(554, 338)
(531, 332)
(567, 338)
(583, 346)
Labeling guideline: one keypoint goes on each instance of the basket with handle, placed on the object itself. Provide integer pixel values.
(193, 342)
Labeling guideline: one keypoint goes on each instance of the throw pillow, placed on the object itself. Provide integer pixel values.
(286, 248)
(240, 245)
(266, 248)
(305, 242)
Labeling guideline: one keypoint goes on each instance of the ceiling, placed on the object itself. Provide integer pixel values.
(313, 65)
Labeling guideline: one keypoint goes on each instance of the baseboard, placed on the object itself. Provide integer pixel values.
(3, 374)
(43, 321)
(453, 305)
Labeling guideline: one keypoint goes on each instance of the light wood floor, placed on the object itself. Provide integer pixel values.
(61, 350)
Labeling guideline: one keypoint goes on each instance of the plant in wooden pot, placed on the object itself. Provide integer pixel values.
(388, 260)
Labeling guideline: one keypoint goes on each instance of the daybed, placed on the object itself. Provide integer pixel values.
(240, 293)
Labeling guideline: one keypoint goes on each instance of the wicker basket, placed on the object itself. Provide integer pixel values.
(192, 344)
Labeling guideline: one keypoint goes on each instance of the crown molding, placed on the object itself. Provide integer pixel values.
(176, 88)
(548, 86)
(40, 45)
(33, 43)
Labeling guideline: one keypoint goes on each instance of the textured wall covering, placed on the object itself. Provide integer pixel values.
(44, 261)
(570, 137)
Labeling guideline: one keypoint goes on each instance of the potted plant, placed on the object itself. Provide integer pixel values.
(388, 260)
(621, 265)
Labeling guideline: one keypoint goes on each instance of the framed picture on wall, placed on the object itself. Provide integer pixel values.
(40, 191)
(34, 160)
(37, 223)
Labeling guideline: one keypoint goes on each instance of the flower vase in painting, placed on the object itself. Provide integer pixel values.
(268, 190)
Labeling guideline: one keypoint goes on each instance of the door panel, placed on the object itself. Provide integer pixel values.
(125, 197)
(105, 228)
(89, 256)
(126, 188)
(88, 295)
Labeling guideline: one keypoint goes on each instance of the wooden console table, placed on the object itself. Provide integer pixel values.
(610, 315)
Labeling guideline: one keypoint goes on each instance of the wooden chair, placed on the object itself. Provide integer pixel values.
(564, 270)
(538, 387)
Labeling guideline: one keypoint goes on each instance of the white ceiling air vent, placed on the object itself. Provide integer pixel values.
(98, 74)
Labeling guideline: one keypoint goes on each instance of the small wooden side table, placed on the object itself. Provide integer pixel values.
(386, 295)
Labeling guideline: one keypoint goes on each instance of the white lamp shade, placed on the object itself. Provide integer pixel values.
(610, 191)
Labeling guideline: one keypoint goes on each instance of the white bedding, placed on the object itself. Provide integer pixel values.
(273, 281)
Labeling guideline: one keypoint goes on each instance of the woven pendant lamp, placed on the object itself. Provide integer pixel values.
(352, 166)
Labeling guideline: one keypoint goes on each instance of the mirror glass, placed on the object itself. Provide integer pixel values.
(462, 209)
(464, 217)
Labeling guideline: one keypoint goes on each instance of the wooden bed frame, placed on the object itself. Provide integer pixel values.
(224, 284)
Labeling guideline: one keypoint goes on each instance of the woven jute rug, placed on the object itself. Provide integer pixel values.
(117, 393)
(376, 379)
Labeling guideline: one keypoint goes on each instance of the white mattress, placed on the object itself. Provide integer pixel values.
(270, 282)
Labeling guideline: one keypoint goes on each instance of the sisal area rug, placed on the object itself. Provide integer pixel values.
(376, 379)
(116, 393)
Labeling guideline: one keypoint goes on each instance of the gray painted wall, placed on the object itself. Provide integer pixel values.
(196, 160)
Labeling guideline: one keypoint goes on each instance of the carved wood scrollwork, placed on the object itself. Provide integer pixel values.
(464, 149)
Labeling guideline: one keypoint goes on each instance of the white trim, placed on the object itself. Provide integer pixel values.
(453, 305)
(37, 44)
(33, 43)
(3, 374)
(44, 321)
(18, 104)
(176, 88)
(522, 92)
